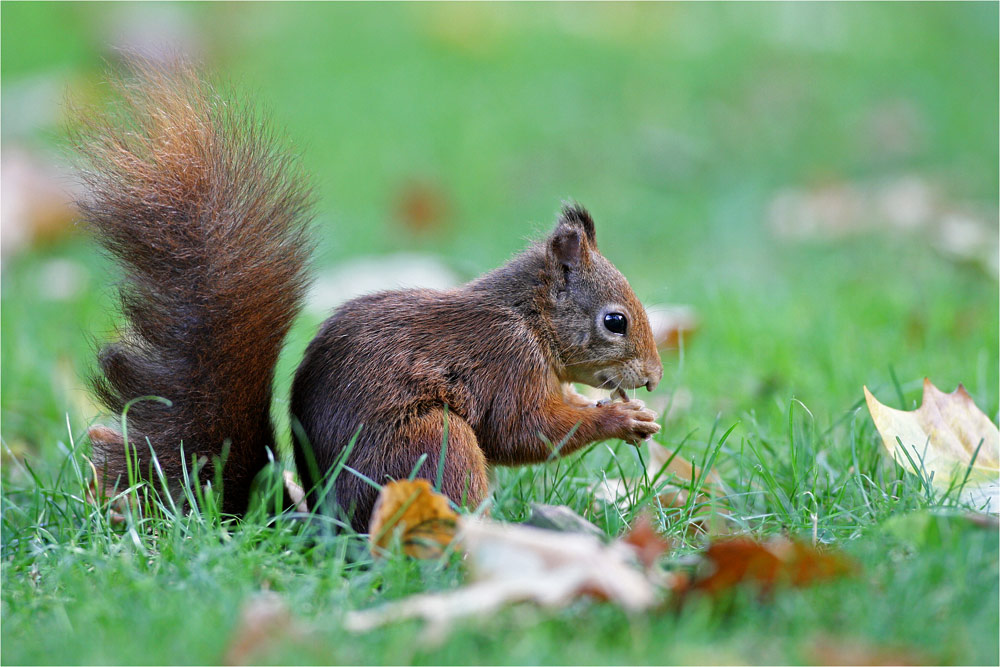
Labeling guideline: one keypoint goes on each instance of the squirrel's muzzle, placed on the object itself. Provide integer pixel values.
(654, 373)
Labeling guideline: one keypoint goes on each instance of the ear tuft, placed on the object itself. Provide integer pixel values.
(577, 216)
(566, 246)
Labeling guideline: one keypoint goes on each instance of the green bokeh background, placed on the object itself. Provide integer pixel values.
(678, 125)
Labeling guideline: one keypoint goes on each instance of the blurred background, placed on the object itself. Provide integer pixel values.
(818, 183)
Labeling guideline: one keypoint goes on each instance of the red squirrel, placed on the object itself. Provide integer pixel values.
(208, 217)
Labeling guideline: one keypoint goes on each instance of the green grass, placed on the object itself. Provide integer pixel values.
(676, 124)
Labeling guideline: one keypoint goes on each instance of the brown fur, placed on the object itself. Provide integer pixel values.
(497, 352)
(206, 217)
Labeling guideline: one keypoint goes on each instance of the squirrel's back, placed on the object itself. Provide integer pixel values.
(207, 217)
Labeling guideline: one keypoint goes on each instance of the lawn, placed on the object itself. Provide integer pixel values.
(686, 129)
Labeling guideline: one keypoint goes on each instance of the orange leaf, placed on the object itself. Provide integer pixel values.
(765, 564)
(648, 544)
(422, 518)
(421, 206)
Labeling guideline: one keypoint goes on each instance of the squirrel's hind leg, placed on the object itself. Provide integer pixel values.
(463, 478)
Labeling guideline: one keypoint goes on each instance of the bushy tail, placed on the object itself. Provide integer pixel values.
(208, 218)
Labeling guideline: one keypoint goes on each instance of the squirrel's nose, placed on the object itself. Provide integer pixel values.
(653, 377)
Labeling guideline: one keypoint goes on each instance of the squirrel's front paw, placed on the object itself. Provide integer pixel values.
(631, 421)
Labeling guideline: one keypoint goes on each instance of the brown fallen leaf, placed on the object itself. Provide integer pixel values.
(939, 440)
(851, 651)
(560, 518)
(780, 561)
(962, 231)
(511, 563)
(421, 517)
(265, 621)
(672, 476)
(671, 325)
(100, 488)
(505, 551)
(37, 206)
(295, 491)
(649, 545)
(421, 206)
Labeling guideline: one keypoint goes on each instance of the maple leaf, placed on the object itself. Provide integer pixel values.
(947, 441)
(422, 519)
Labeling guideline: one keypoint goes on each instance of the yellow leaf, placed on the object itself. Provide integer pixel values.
(422, 519)
(941, 437)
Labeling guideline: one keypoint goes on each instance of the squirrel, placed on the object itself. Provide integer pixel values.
(208, 216)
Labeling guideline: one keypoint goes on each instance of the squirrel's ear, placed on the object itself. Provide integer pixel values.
(577, 216)
(573, 238)
(566, 246)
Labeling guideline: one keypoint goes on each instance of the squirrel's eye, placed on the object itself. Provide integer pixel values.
(615, 323)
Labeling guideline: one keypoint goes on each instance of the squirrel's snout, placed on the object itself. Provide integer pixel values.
(653, 377)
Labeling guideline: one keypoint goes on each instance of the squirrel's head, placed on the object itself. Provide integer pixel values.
(600, 327)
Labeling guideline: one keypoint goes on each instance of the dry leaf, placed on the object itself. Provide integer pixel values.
(662, 459)
(98, 489)
(941, 437)
(442, 610)
(844, 651)
(906, 204)
(421, 206)
(648, 544)
(505, 551)
(295, 492)
(664, 466)
(671, 324)
(265, 621)
(729, 563)
(516, 563)
(421, 517)
(560, 518)
(37, 206)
